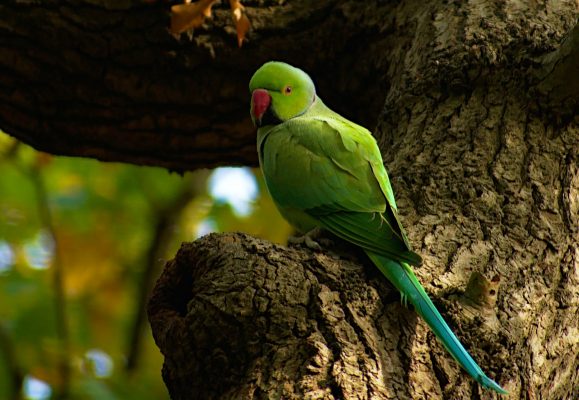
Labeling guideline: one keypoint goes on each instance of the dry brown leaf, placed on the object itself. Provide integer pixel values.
(241, 21)
(189, 15)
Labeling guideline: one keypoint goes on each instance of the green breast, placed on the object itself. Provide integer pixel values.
(286, 165)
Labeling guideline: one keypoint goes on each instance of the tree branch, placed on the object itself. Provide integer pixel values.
(15, 375)
(236, 316)
(165, 219)
(108, 81)
(63, 364)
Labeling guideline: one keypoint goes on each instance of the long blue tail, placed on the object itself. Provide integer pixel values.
(402, 276)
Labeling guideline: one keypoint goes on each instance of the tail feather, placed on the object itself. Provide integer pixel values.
(402, 276)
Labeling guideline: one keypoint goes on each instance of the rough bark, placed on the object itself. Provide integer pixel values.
(487, 162)
(481, 137)
(256, 320)
(240, 318)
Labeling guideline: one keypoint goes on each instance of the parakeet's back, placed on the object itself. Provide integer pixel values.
(295, 156)
(323, 170)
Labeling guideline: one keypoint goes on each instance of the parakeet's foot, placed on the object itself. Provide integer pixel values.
(313, 240)
(309, 239)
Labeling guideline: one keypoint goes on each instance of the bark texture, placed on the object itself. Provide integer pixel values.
(486, 157)
(480, 134)
(240, 318)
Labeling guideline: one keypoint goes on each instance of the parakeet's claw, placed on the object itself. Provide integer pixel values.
(310, 239)
(312, 244)
(306, 240)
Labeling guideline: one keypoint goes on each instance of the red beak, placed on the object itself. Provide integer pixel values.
(260, 101)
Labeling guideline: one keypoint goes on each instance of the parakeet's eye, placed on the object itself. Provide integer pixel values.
(287, 90)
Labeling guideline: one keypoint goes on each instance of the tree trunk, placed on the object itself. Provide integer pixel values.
(480, 134)
(475, 105)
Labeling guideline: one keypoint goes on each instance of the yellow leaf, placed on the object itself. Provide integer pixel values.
(241, 21)
(189, 15)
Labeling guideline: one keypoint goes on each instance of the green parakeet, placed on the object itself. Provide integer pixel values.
(326, 172)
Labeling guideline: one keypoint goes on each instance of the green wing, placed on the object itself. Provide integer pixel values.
(347, 188)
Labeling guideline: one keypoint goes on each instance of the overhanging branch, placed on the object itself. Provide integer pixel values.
(113, 84)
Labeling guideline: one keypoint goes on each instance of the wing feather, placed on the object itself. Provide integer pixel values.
(370, 232)
(343, 183)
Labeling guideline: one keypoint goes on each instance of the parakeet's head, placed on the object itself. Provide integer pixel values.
(279, 92)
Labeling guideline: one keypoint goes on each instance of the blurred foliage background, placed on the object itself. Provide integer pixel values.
(81, 244)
